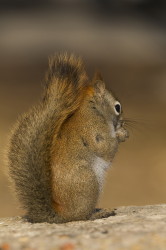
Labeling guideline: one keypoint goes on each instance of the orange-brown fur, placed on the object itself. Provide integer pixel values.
(55, 146)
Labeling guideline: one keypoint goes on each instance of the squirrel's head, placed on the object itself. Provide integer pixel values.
(102, 102)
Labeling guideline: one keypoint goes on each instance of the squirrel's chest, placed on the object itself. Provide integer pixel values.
(99, 167)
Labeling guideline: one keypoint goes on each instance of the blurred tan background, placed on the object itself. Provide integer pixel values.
(126, 40)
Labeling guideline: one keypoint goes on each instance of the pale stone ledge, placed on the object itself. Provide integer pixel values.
(132, 228)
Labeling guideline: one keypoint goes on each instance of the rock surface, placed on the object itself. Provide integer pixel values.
(131, 228)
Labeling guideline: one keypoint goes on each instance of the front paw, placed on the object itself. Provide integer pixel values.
(122, 134)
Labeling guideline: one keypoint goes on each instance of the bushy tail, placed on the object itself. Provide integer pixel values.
(29, 155)
(65, 83)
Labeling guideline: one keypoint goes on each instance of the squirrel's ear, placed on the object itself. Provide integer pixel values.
(99, 87)
(97, 77)
(98, 84)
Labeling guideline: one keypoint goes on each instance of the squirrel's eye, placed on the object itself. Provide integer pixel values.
(117, 108)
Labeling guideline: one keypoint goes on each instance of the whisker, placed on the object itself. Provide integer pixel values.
(129, 126)
(133, 127)
(137, 120)
(130, 122)
(136, 124)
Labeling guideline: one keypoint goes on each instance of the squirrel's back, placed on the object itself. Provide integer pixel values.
(29, 153)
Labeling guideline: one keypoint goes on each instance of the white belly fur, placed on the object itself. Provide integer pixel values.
(100, 166)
